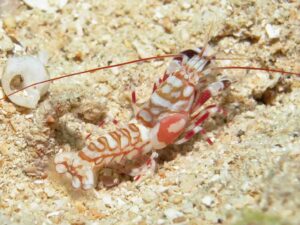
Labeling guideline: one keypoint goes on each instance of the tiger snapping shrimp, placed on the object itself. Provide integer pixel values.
(172, 115)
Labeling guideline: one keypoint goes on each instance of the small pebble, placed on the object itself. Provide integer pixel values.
(188, 183)
(54, 213)
(207, 201)
(273, 32)
(50, 192)
(9, 22)
(107, 200)
(211, 216)
(134, 209)
(172, 213)
(179, 219)
(246, 186)
(176, 199)
(137, 200)
(161, 221)
(20, 186)
(143, 50)
(46, 5)
(120, 202)
(149, 196)
(185, 4)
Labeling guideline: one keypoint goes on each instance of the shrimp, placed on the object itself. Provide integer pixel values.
(170, 116)
(174, 113)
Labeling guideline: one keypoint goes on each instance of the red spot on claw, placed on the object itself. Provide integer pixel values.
(171, 127)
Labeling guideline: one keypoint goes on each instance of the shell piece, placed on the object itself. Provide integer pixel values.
(49, 6)
(273, 32)
(25, 70)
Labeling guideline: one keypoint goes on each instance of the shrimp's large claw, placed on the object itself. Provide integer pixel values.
(80, 170)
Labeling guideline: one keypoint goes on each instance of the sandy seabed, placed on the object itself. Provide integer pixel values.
(250, 175)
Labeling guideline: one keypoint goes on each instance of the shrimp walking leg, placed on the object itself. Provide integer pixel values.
(196, 124)
(211, 91)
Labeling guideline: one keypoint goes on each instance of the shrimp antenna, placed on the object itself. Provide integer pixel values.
(92, 70)
(206, 40)
(255, 68)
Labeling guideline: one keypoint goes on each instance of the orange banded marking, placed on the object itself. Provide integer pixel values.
(94, 148)
(133, 127)
(116, 136)
(104, 141)
(126, 133)
(83, 156)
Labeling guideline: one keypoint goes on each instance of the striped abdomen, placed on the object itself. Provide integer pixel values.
(127, 142)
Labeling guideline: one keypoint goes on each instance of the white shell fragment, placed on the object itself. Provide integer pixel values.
(172, 213)
(49, 6)
(273, 31)
(23, 71)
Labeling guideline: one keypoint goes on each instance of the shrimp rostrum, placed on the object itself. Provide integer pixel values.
(173, 114)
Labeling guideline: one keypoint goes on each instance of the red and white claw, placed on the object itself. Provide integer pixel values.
(148, 168)
(81, 171)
